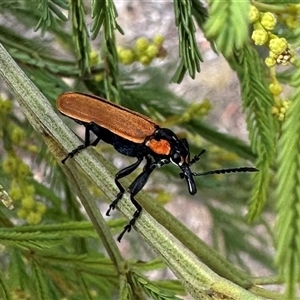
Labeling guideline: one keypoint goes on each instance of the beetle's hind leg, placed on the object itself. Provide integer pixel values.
(86, 144)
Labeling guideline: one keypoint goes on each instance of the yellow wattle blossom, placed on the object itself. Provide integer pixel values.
(260, 36)
(268, 21)
(278, 45)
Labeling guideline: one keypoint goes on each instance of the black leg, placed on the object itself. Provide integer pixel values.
(85, 145)
(133, 189)
(73, 152)
(124, 172)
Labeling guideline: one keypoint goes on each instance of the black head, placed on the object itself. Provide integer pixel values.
(179, 154)
(165, 144)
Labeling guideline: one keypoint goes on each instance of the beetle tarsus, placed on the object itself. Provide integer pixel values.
(131, 223)
(127, 228)
(114, 204)
(72, 153)
(111, 207)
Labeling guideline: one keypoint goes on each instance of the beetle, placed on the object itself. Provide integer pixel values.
(135, 135)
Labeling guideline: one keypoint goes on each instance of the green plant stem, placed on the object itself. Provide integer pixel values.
(278, 9)
(267, 280)
(205, 253)
(91, 208)
(265, 293)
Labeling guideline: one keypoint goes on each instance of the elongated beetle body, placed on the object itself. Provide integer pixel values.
(135, 135)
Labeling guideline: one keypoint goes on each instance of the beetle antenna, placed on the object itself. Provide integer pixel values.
(224, 171)
(196, 157)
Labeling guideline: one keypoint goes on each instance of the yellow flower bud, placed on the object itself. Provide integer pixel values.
(259, 36)
(273, 55)
(253, 14)
(10, 164)
(33, 148)
(270, 62)
(282, 110)
(17, 135)
(158, 40)
(98, 77)
(23, 169)
(29, 190)
(292, 22)
(145, 60)
(278, 45)
(268, 21)
(22, 213)
(126, 56)
(34, 218)
(274, 110)
(5, 106)
(94, 58)
(152, 51)
(275, 88)
(141, 44)
(281, 117)
(28, 203)
(15, 193)
(286, 104)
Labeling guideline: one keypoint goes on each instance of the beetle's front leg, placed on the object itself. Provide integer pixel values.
(124, 172)
(135, 187)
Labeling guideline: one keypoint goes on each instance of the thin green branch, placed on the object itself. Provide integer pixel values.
(266, 294)
(267, 280)
(89, 203)
(277, 7)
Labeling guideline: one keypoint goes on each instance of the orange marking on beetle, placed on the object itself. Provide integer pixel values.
(162, 147)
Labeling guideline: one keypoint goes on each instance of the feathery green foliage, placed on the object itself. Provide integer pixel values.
(188, 49)
(228, 25)
(54, 247)
(48, 9)
(288, 196)
(80, 34)
(257, 102)
(104, 14)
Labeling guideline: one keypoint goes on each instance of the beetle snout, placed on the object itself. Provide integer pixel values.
(188, 175)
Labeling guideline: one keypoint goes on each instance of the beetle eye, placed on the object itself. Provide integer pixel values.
(176, 158)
